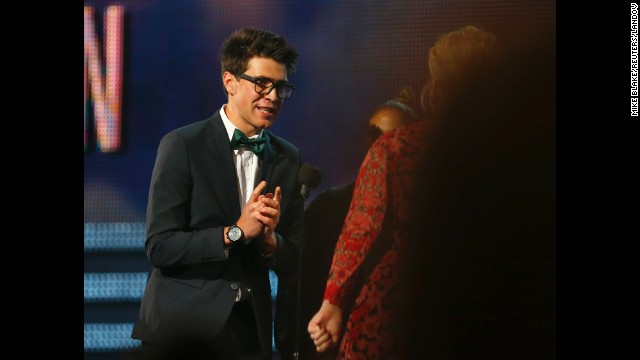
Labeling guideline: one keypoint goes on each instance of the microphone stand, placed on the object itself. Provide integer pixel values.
(309, 176)
(296, 346)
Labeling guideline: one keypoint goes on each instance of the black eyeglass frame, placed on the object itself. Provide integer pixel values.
(267, 85)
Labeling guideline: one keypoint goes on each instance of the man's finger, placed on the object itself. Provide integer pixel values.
(278, 196)
(256, 192)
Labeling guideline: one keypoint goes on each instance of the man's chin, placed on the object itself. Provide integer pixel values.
(265, 124)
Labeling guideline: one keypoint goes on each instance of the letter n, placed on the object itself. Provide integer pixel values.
(105, 83)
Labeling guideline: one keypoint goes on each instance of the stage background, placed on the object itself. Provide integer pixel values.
(354, 55)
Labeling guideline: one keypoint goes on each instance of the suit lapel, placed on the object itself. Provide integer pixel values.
(268, 163)
(226, 170)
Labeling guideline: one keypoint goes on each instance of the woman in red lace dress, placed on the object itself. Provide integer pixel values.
(385, 185)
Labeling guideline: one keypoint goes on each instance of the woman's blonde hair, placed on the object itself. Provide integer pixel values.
(452, 60)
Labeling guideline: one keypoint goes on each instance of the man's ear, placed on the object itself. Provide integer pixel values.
(230, 83)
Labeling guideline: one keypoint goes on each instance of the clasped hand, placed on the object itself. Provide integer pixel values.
(325, 326)
(260, 216)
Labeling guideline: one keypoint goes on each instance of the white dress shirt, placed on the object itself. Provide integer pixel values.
(247, 163)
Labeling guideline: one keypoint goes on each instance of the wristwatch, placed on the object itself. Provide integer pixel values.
(234, 233)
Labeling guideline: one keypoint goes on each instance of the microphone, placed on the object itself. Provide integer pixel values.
(309, 176)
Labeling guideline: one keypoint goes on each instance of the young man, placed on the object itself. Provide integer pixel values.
(224, 207)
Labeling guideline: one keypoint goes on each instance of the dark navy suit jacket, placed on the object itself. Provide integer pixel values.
(193, 195)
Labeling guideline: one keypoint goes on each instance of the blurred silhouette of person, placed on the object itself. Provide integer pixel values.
(482, 261)
(224, 209)
(325, 216)
(380, 213)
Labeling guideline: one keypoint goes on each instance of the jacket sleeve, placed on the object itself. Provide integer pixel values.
(170, 240)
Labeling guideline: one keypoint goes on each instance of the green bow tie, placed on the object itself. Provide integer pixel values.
(257, 145)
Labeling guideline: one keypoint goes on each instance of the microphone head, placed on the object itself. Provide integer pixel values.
(309, 175)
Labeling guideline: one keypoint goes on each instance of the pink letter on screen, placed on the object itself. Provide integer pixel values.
(106, 90)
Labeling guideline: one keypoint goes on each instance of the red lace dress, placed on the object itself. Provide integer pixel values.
(369, 333)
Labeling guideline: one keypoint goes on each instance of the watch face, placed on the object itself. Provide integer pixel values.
(234, 233)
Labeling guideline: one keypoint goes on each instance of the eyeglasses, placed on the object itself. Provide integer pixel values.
(264, 86)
